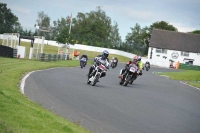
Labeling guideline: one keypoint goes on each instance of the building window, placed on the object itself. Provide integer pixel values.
(164, 51)
(185, 54)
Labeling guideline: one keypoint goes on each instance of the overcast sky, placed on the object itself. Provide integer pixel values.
(182, 14)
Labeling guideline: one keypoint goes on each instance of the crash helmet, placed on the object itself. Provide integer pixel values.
(113, 58)
(139, 58)
(105, 54)
(135, 59)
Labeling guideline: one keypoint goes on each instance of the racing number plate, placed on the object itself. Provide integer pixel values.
(102, 67)
(132, 69)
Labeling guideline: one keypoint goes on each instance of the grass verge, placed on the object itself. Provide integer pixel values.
(20, 115)
(192, 77)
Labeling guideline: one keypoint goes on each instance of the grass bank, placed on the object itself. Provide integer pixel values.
(20, 115)
(192, 77)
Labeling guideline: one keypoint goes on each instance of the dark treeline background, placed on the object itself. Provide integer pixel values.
(94, 28)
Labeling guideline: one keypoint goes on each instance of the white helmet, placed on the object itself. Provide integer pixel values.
(139, 58)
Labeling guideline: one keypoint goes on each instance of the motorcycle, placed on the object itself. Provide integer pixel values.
(130, 76)
(147, 67)
(113, 63)
(83, 62)
(96, 74)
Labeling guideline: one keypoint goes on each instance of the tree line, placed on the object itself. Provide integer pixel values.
(94, 28)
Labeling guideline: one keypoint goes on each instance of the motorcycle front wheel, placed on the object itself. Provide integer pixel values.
(121, 81)
(95, 80)
(127, 80)
(88, 81)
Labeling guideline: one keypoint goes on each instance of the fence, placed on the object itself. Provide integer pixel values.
(53, 57)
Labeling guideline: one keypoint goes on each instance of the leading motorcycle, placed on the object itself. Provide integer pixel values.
(96, 74)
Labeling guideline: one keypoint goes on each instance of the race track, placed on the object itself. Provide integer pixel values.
(153, 104)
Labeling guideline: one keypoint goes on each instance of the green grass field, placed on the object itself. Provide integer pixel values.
(20, 115)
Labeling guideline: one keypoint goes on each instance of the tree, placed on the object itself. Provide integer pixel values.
(92, 28)
(115, 38)
(58, 26)
(163, 26)
(8, 21)
(43, 21)
(196, 32)
(64, 37)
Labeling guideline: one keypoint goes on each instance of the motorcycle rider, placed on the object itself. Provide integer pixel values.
(148, 64)
(84, 56)
(100, 58)
(140, 64)
(133, 61)
(115, 58)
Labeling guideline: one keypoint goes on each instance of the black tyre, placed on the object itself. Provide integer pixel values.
(121, 81)
(131, 81)
(127, 80)
(88, 82)
(112, 65)
(95, 80)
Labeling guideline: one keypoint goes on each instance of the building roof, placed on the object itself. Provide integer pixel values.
(173, 40)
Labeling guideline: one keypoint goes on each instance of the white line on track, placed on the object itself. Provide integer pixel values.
(185, 83)
(189, 85)
(26, 76)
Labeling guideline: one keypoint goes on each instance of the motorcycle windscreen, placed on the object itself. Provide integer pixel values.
(83, 59)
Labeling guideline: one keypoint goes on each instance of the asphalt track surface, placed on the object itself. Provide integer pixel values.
(152, 104)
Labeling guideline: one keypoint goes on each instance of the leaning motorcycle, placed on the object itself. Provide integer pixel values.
(147, 67)
(96, 74)
(130, 75)
(113, 63)
(83, 62)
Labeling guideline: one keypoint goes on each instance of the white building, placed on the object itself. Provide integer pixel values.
(166, 46)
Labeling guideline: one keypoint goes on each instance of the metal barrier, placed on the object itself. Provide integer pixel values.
(52, 57)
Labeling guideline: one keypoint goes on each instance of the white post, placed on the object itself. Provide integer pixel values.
(14, 41)
(11, 41)
(3, 40)
(73, 54)
(66, 49)
(37, 45)
(31, 53)
(7, 41)
(42, 45)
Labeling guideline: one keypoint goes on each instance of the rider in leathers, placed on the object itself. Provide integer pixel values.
(140, 64)
(115, 58)
(85, 56)
(124, 71)
(100, 58)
